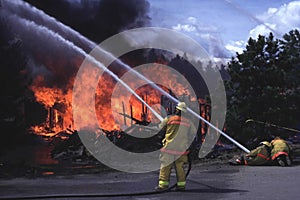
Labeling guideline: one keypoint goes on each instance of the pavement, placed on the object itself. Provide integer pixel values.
(205, 181)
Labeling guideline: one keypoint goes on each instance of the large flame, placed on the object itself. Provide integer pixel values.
(58, 102)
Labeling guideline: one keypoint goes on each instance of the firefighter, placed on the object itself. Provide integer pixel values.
(281, 152)
(178, 130)
(259, 156)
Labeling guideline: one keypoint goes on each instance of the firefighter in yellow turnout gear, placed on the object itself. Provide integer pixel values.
(281, 152)
(260, 155)
(276, 152)
(175, 147)
(256, 157)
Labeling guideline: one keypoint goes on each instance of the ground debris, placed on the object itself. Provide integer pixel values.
(72, 149)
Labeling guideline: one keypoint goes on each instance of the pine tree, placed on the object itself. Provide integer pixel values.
(263, 84)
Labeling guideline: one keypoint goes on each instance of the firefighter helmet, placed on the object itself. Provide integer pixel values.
(181, 106)
(265, 143)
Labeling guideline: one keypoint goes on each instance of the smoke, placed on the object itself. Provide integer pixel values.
(50, 55)
(98, 20)
(26, 11)
(42, 35)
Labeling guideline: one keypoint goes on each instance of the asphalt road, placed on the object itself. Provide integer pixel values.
(214, 181)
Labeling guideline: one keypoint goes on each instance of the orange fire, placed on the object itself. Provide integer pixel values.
(58, 102)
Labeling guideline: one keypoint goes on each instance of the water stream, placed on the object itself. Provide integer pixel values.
(39, 20)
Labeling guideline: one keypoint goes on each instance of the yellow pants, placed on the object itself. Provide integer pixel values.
(165, 169)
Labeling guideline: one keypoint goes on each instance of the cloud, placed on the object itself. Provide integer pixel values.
(236, 46)
(192, 24)
(207, 35)
(184, 27)
(282, 19)
(277, 20)
(193, 20)
(262, 29)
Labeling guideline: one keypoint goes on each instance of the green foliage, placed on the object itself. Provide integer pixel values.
(264, 82)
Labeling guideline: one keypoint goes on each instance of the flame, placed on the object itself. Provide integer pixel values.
(58, 101)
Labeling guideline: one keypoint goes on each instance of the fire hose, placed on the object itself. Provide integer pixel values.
(59, 196)
(131, 194)
(273, 125)
(56, 196)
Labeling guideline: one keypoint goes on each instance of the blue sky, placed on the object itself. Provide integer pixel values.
(223, 27)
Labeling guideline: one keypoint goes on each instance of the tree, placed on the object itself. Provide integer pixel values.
(291, 53)
(261, 84)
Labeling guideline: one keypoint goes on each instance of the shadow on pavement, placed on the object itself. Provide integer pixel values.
(214, 190)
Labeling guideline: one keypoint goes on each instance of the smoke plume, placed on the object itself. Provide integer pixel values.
(97, 20)
(48, 42)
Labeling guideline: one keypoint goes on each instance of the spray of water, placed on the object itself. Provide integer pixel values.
(38, 17)
(65, 34)
(66, 31)
(111, 57)
(26, 11)
(39, 28)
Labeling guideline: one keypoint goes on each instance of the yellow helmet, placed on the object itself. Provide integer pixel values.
(266, 143)
(181, 106)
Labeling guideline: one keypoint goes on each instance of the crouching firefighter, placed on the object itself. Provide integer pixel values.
(259, 156)
(281, 152)
(178, 130)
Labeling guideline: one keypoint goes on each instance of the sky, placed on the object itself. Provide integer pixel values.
(223, 27)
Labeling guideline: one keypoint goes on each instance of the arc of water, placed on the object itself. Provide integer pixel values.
(174, 99)
(27, 11)
(92, 59)
(139, 75)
